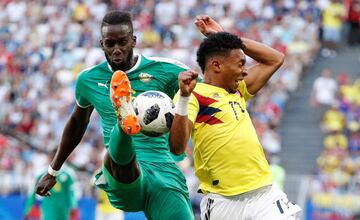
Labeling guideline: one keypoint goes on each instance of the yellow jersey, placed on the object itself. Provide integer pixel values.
(104, 205)
(332, 15)
(229, 159)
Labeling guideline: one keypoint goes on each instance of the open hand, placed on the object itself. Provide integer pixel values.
(206, 25)
(187, 82)
(45, 184)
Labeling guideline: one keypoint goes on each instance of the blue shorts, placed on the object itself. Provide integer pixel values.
(332, 34)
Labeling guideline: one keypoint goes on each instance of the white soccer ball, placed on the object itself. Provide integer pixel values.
(155, 111)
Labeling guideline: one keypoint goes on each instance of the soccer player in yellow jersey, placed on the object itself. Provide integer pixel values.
(229, 160)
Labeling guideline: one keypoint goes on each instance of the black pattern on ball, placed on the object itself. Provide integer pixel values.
(136, 111)
(169, 119)
(151, 114)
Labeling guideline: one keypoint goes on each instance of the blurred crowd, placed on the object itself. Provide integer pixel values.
(44, 44)
(339, 163)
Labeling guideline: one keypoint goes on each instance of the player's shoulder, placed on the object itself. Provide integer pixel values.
(92, 70)
(167, 61)
(202, 88)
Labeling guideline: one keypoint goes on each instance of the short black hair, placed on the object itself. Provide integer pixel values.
(220, 43)
(117, 17)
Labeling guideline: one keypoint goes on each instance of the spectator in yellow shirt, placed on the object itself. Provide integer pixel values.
(333, 16)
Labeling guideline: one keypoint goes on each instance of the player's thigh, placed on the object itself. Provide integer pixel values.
(273, 204)
(296, 216)
(128, 197)
(168, 204)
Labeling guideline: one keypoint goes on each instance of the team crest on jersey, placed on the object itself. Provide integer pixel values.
(145, 77)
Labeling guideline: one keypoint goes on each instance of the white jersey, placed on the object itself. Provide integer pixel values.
(325, 90)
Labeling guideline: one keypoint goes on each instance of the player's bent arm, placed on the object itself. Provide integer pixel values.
(73, 132)
(182, 126)
(179, 134)
(268, 61)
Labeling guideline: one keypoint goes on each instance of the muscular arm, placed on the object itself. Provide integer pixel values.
(73, 132)
(268, 61)
(179, 134)
(181, 126)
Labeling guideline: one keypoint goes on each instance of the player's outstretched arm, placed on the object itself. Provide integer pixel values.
(73, 132)
(181, 126)
(268, 60)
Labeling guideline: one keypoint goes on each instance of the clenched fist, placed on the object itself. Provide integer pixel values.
(187, 82)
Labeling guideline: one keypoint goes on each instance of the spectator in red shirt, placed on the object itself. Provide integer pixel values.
(354, 22)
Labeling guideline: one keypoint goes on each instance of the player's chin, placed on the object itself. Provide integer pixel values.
(117, 65)
(117, 61)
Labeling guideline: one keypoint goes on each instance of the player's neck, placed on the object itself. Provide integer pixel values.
(133, 61)
(208, 79)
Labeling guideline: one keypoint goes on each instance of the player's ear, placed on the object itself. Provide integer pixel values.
(134, 41)
(215, 65)
(102, 44)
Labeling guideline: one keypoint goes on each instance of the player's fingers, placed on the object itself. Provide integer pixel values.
(186, 73)
(192, 74)
(200, 17)
(45, 190)
(200, 24)
(206, 18)
(186, 79)
(42, 191)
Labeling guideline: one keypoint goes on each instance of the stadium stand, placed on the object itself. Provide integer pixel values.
(337, 179)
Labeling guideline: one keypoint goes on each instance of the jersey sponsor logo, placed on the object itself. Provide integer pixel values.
(145, 77)
(216, 95)
(206, 112)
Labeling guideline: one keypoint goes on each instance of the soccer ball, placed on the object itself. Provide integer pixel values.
(155, 111)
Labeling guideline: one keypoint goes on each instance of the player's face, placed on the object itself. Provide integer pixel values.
(233, 69)
(118, 43)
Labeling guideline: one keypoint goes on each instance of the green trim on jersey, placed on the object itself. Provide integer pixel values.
(149, 73)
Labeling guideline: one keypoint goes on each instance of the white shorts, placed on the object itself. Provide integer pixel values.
(266, 203)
